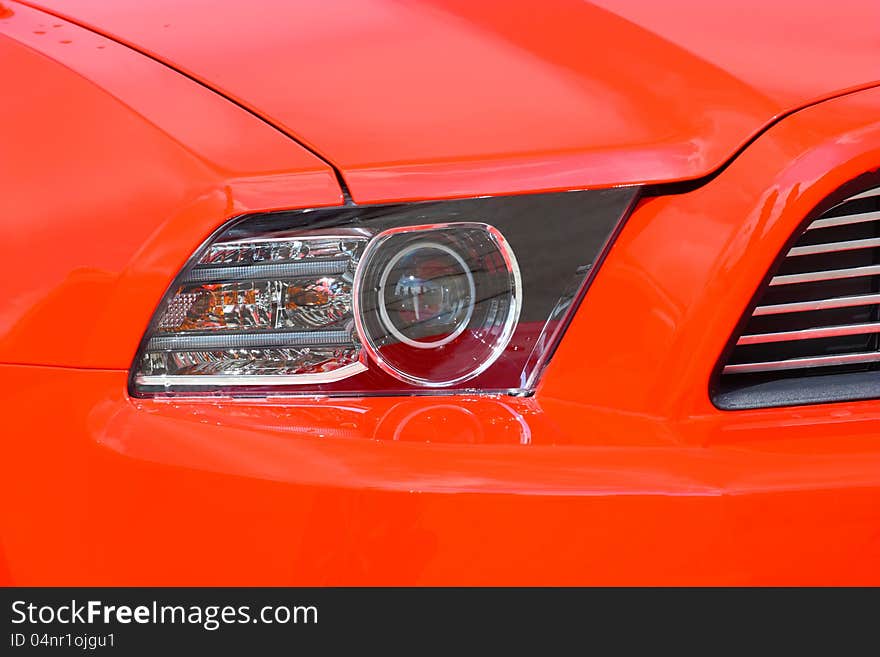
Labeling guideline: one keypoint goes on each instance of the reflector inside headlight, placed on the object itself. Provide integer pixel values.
(465, 294)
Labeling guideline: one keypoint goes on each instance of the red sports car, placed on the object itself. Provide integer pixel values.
(439, 292)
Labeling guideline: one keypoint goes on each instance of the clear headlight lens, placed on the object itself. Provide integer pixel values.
(465, 294)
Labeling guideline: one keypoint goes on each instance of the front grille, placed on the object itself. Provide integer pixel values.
(814, 333)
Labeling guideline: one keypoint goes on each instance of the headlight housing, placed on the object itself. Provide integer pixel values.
(468, 294)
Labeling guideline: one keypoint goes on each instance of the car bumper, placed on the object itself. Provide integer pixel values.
(101, 489)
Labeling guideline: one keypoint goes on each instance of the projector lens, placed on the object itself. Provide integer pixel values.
(436, 305)
(428, 295)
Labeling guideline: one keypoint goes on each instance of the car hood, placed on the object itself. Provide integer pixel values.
(455, 97)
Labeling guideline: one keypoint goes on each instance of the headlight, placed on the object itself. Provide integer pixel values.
(464, 294)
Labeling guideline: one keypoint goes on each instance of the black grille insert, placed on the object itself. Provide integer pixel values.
(813, 334)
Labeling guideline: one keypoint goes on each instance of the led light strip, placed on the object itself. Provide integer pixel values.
(249, 340)
(192, 380)
(215, 274)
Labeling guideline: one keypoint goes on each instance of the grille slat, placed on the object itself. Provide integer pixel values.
(834, 247)
(811, 276)
(871, 193)
(800, 363)
(810, 334)
(817, 317)
(845, 220)
(818, 304)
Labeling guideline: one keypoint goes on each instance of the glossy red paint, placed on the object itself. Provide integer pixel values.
(619, 470)
(458, 98)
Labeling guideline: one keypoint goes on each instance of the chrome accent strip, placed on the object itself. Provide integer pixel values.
(356, 235)
(198, 380)
(274, 339)
(834, 247)
(844, 220)
(209, 274)
(819, 304)
(866, 194)
(800, 363)
(829, 275)
(809, 334)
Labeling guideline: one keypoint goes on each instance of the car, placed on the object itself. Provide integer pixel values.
(440, 292)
